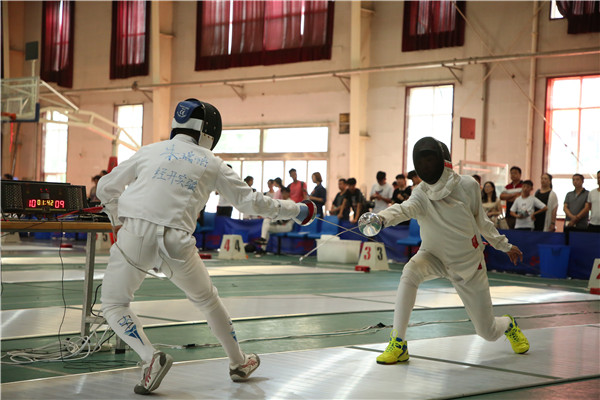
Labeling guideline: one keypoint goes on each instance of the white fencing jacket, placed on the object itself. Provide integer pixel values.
(452, 221)
(168, 183)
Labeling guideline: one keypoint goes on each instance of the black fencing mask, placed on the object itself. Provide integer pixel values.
(429, 157)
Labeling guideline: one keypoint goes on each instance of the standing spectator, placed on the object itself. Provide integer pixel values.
(511, 192)
(523, 208)
(319, 193)
(279, 186)
(93, 198)
(412, 175)
(250, 181)
(546, 221)
(490, 202)
(353, 199)
(297, 188)
(594, 204)
(381, 193)
(338, 202)
(270, 192)
(576, 208)
(402, 192)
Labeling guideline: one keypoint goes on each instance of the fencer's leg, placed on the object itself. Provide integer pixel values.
(475, 295)
(121, 280)
(192, 277)
(415, 272)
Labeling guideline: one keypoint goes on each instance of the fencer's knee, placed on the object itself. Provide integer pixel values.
(109, 308)
(410, 277)
(206, 300)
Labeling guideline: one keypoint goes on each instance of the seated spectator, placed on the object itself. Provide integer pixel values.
(523, 208)
(271, 192)
(402, 192)
(93, 198)
(269, 226)
(412, 175)
(546, 221)
(338, 202)
(381, 193)
(511, 192)
(319, 194)
(224, 206)
(594, 205)
(354, 200)
(491, 203)
(478, 179)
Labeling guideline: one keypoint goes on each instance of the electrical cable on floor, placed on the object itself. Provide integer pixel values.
(366, 330)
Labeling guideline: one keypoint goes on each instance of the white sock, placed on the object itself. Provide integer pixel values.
(405, 301)
(128, 327)
(221, 326)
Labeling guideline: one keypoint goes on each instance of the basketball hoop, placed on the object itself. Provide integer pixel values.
(6, 116)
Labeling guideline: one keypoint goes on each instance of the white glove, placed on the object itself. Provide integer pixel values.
(370, 224)
(307, 214)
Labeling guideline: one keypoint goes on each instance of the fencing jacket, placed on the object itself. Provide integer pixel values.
(452, 221)
(168, 183)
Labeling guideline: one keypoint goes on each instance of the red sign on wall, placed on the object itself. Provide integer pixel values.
(467, 128)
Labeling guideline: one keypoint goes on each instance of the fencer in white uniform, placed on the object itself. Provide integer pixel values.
(448, 209)
(152, 200)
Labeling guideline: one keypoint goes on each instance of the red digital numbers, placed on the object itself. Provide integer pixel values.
(59, 204)
(32, 203)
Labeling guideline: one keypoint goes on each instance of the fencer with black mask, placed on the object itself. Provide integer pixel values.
(153, 200)
(448, 208)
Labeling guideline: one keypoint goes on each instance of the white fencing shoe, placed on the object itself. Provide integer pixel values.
(241, 372)
(154, 372)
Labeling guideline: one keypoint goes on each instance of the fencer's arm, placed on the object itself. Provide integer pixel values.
(397, 213)
(238, 193)
(111, 186)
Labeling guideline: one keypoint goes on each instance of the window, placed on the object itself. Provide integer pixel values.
(572, 137)
(428, 113)
(57, 42)
(433, 25)
(131, 119)
(55, 148)
(130, 40)
(582, 16)
(242, 33)
(554, 12)
(271, 152)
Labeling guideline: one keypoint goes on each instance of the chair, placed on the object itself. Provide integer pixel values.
(327, 227)
(414, 237)
(305, 231)
(209, 226)
(279, 235)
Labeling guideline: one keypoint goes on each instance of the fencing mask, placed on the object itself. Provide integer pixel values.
(430, 156)
(197, 119)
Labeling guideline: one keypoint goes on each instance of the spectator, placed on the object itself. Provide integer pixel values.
(270, 192)
(93, 198)
(319, 193)
(297, 188)
(523, 208)
(546, 221)
(490, 202)
(338, 202)
(250, 181)
(381, 193)
(402, 192)
(576, 207)
(511, 192)
(412, 175)
(478, 179)
(9, 177)
(103, 172)
(353, 199)
(279, 186)
(594, 204)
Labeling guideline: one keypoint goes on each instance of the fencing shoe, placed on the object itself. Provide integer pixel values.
(154, 372)
(396, 351)
(241, 372)
(518, 341)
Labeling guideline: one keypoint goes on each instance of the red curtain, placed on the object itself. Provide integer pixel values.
(130, 41)
(262, 32)
(57, 42)
(432, 25)
(582, 16)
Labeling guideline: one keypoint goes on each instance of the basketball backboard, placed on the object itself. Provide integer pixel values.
(20, 97)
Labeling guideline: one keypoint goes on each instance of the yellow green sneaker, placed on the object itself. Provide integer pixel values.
(518, 341)
(396, 351)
